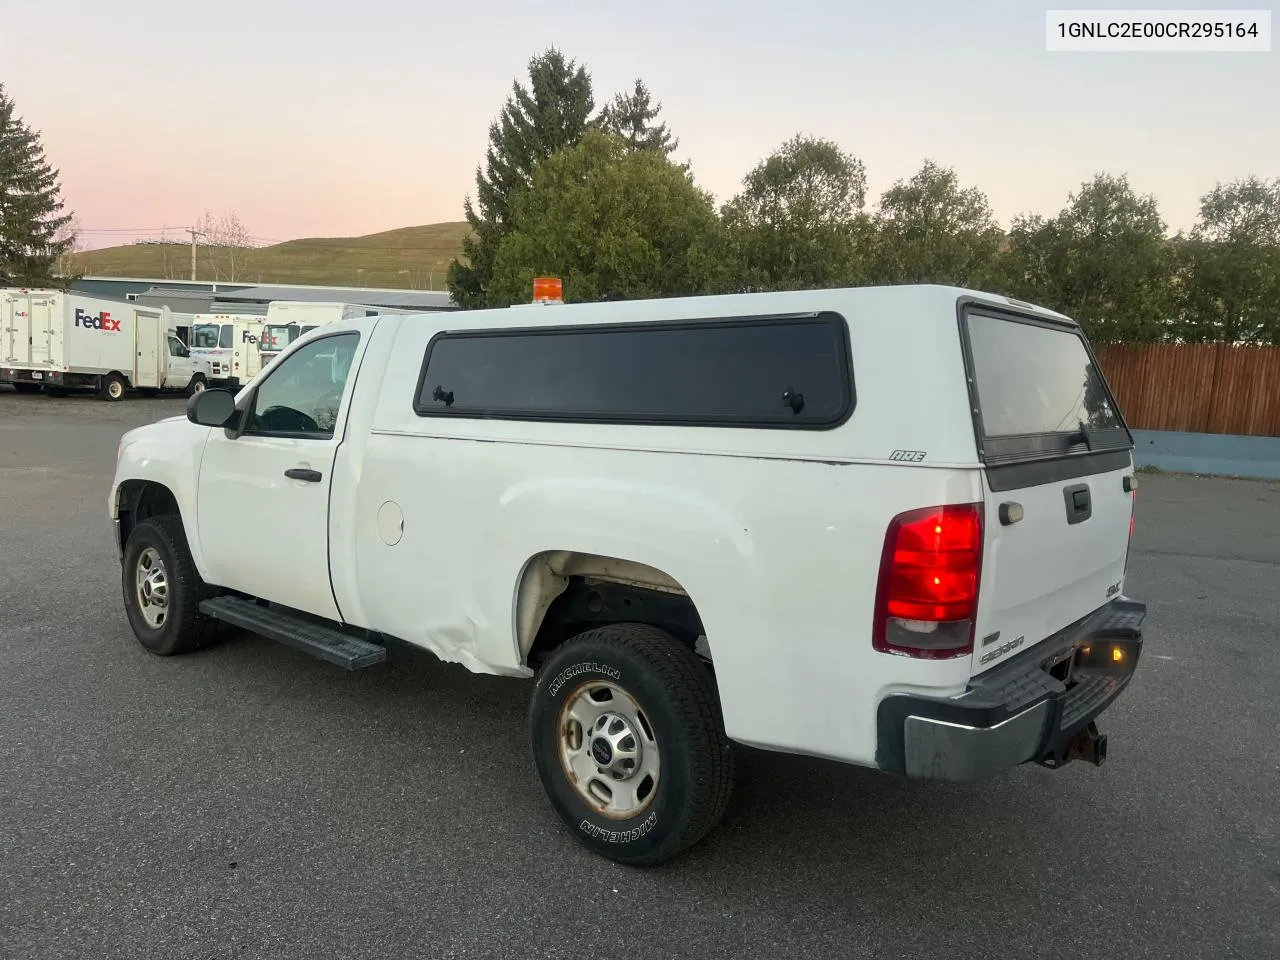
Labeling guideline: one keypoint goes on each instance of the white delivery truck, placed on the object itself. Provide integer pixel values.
(66, 341)
(287, 320)
(230, 343)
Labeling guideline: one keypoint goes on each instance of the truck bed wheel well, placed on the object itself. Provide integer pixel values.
(141, 500)
(588, 603)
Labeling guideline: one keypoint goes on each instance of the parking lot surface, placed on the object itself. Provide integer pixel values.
(250, 801)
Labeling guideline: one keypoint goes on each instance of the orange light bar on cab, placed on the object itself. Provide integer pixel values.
(548, 290)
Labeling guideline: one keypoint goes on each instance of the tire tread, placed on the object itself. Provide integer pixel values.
(697, 704)
(195, 631)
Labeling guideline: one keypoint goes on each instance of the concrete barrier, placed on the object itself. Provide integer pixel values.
(1212, 454)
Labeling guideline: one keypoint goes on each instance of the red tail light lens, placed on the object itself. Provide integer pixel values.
(927, 597)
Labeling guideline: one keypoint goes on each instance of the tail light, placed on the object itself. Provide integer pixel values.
(927, 597)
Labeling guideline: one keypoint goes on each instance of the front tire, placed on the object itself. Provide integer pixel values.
(629, 744)
(162, 590)
(197, 385)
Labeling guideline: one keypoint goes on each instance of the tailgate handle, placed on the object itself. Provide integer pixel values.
(1079, 502)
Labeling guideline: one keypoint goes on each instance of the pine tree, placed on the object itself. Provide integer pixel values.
(614, 223)
(31, 224)
(631, 116)
(551, 113)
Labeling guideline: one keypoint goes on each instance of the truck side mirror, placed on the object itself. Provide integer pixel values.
(211, 408)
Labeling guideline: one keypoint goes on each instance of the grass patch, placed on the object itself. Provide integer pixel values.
(411, 258)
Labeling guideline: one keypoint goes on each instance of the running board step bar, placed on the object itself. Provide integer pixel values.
(296, 631)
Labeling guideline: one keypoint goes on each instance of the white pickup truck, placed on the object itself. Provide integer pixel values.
(888, 526)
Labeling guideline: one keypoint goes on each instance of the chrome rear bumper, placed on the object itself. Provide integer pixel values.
(1030, 709)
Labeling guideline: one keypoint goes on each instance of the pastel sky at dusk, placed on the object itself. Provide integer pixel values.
(326, 118)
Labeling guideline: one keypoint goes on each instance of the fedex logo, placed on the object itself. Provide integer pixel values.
(247, 337)
(103, 321)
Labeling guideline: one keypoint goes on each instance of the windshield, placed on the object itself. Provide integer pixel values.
(277, 336)
(205, 336)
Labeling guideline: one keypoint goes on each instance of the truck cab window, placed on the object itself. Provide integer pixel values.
(227, 337)
(277, 336)
(176, 348)
(302, 396)
(205, 336)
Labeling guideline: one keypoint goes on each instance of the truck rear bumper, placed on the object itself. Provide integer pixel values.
(29, 375)
(51, 378)
(1034, 708)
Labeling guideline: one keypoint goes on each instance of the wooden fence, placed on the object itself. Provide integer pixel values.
(1196, 387)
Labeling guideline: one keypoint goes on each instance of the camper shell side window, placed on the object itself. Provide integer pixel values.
(788, 372)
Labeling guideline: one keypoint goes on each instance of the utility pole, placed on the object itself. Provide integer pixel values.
(194, 233)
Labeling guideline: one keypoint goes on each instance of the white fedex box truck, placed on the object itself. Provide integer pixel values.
(230, 343)
(65, 341)
(287, 320)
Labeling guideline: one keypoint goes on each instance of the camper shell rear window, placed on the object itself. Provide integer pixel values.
(772, 372)
(1036, 388)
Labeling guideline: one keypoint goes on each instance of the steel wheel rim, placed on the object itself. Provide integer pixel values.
(608, 750)
(115, 389)
(197, 387)
(151, 582)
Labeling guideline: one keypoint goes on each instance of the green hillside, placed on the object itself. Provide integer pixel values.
(410, 258)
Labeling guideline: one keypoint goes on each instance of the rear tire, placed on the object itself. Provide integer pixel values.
(112, 387)
(628, 741)
(23, 386)
(162, 590)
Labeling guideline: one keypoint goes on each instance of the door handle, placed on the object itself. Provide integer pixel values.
(1078, 502)
(302, 473)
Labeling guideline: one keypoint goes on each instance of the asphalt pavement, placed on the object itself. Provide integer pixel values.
(250, 801)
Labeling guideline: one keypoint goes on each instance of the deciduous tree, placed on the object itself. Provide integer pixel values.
(71, 241)
(1104, 260)
(227, 244)
(1229, 268)
(929, 229)
(798, 220)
